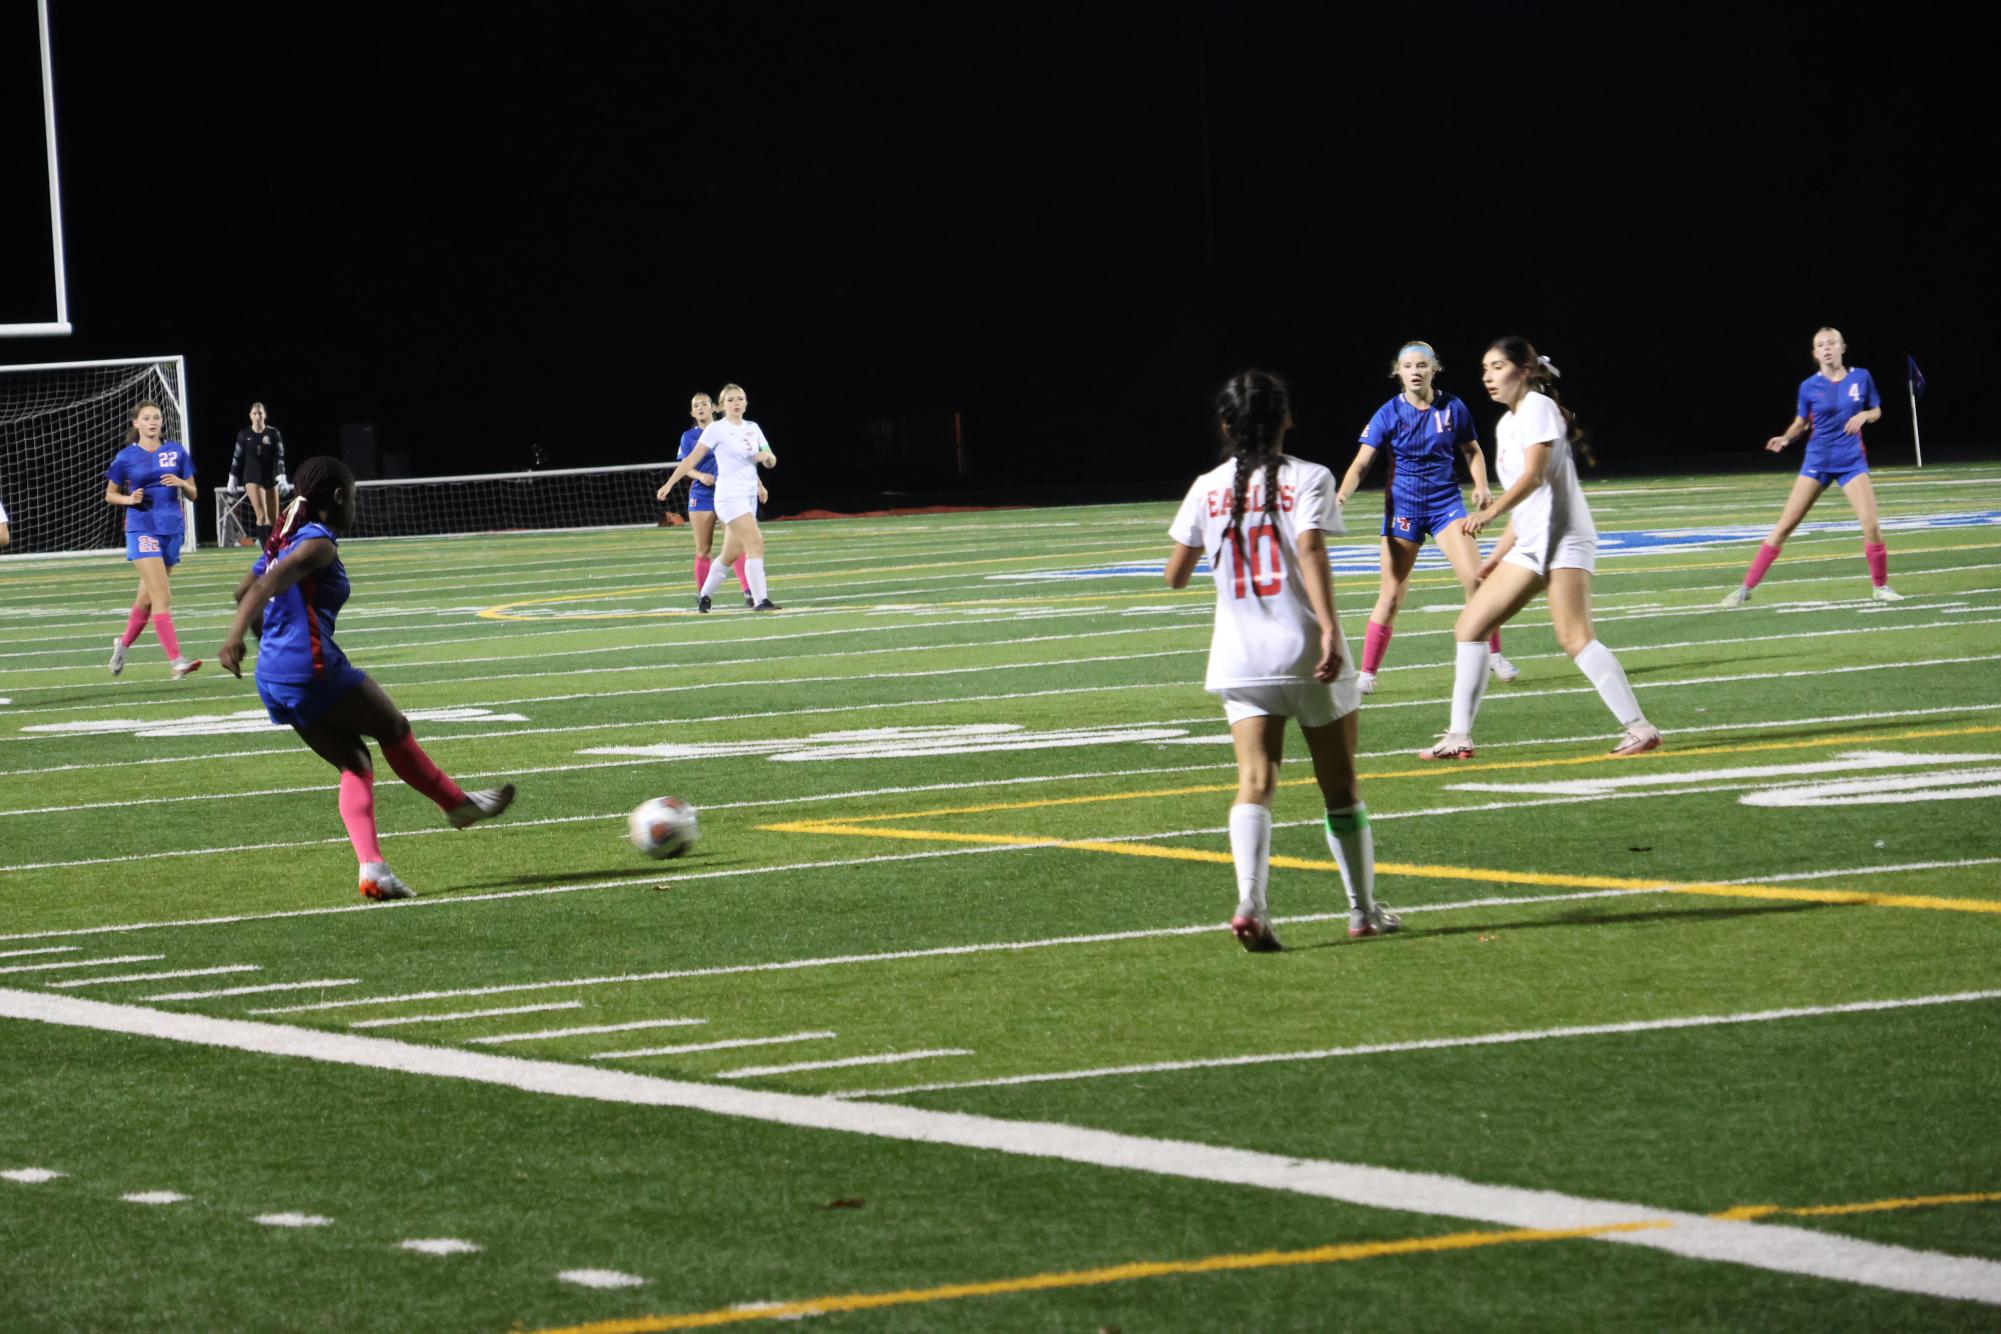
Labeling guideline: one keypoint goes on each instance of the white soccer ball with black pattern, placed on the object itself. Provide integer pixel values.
(663, 827)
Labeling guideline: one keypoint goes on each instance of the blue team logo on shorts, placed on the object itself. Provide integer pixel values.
(149, 545)
(1402, 523)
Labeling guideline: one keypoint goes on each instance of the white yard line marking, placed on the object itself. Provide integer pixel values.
(161, 977)
(1772, 1246)
(587, 1030)
(47, 949)
(253, 991)
(466, 1014)
(438, 1246)
(81, 963)
(154, 1197)
(293, 1220)
(727, 1044)
(1435, 1044)
(31, 1176)
(601, 1278)
(886, 1058)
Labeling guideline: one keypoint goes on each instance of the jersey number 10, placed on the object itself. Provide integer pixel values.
(1260, 547)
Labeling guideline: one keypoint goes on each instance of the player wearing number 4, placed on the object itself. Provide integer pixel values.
(147, 478)
(740, 449)
(1835, 403)
(1423, 429)
(292, 595)
(1550, 543)
(1277, 651)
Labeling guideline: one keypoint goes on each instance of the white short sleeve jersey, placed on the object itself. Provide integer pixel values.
(3, 514)
(1556, 509)
(1265, 630)
(735, 445)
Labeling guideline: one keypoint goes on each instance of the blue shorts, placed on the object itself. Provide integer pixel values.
(1841, 476)
(151, 546)
(701, 499)
(303, 703)
(1415, 523)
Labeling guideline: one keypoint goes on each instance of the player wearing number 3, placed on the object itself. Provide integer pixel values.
(1277, 651)
(1550, 543)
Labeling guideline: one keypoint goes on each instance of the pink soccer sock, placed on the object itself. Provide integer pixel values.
(1375, 643)
(1878, 557)
(357, 812)
(414, 767)
(141, 613)
(163, 626)
(702, 564)
(741, 577)
(1767, 553)
(1494, 642)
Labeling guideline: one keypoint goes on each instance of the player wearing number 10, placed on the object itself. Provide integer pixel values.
(1277, 651)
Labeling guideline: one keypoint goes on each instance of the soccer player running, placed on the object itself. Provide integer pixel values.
(1550, 543)
(740, 449)
(1423, 428)
(258, 462)
(702, 498)
(1277, 651)
(294, 592)
(1834, 404)
(147, 478)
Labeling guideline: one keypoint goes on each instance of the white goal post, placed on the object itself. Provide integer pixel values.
(60, 325)
(61, 422)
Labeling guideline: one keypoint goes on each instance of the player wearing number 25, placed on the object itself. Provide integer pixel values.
(1278, 652)
(148, 478)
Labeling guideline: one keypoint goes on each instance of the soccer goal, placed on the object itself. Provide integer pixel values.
(545, 500)
(60, 424)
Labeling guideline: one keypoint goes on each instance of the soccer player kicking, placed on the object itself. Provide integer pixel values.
(1277, 651)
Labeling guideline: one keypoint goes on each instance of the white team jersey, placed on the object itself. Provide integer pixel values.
(1556, 509)
(1265, 629)
(735, 446)
(3, 514)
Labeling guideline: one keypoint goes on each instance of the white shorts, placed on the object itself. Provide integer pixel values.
(1577, 551)
(731, 508)
(1309, 703)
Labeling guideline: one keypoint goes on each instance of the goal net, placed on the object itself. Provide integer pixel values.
(60, 425)
(553, 498)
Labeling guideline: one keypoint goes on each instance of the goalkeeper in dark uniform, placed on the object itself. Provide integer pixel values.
(258, 466)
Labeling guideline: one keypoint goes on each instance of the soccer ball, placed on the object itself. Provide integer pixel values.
(663, 827)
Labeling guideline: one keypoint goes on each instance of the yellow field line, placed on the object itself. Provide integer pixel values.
(1126, 1273)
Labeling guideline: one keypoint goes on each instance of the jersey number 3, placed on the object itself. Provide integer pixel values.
(1260, 547)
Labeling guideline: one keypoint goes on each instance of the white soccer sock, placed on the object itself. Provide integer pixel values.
(1250, 848)
(1597, 662)
(1353, 844)
(1469, 683)
(717, 573)
(753, 570)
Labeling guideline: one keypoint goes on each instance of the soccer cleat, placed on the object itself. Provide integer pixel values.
(1736, 597)
(1365, 682)
(1504, 671)
(1253, 931)
(1885, 593)
(379, 882)
(185, 667)
(1449, 746)
(1640, 738)
(767, 605)
(1374, 920)
(701, 604)
(481, 806)
(750, 601)
(117, 656)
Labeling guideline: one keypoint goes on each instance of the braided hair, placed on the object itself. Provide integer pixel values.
(1253, 411)
(1543, 375)
(317, 482)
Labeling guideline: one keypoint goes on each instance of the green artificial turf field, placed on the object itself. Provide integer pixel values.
(940, 1025)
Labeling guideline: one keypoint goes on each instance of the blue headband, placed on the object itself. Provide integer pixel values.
(1417, 347)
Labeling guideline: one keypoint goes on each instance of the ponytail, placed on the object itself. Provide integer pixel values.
(1253, 411)
(1542, 376)
(318, 480)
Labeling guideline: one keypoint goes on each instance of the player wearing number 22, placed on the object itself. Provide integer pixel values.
(147, 478)
(1277, 652)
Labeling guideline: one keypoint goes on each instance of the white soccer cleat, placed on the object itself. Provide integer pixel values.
(481, 806)
(1253, 931)
(1640, 738)
(1374, 920)
(1449, 746)
(1885, 593)
(1365, 682)
(117, 656)
(185, 667)
(1736, 597)
(1504, 671)
(379, 882)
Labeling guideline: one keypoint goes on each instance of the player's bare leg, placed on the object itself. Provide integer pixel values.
(1398, 556)
(1861, 493)
(1464, 552)
(704, 524)
(1805, 491)
(749, 539)
(1570, 613)
(1349, 837)
(1500, 595)
(1260, 743)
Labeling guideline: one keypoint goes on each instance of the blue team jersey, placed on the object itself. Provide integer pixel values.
(298, 643)
(136, 468)
(689, 439)
(1826, 405)
(1424, 444)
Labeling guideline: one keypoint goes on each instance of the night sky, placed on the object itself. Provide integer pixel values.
(480, 228)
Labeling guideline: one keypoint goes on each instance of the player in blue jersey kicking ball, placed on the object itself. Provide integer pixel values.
(294, 592)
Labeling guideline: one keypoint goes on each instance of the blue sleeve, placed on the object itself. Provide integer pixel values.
(116, 472)
(261, 564)
(1380, 429)
(187, 463)
(1870, 398)
(1801, 408)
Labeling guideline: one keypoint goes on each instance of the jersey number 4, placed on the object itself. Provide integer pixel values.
(1259, 548)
